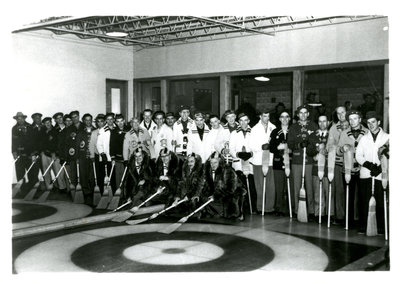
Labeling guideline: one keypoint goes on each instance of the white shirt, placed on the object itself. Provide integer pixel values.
(260, 135)
(160, 138)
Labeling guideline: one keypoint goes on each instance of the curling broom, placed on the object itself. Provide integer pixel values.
(78, 197)
(115, 200)
(286, 162)
(105, 198)
(126, 215)
(371, 221)
(96, 194)
(331, 172)
(348, 163)
(321, 170)
(155, 215)
(33, 191)
(71, 186)
(302, 214)
(384, 165)
(17, 188)
(173, 227)
(265, 166)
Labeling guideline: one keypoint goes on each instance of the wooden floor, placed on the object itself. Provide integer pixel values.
(261, 243)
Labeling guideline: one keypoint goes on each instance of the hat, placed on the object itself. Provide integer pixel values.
(66, 116)
(75, 112)
(284, 111)
(183, 107)
(19, 114)
(36, 114)
(301, 107)
(58, 114)
(372, 114)
(266, 110)
(170, 113)
(46, 119)
(241, 115)
(100, 116)
(353, 111)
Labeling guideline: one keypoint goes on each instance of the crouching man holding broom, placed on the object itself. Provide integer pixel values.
(223, 184)
(371, 192)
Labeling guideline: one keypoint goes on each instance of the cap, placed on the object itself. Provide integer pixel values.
(75, 112)
(170, 113)
(46, 119)
(372, 114)
(19, 114)
(183, 107)
(36, 114)
(242, 114)
(57, 115)
(302, 107)
(353, 111)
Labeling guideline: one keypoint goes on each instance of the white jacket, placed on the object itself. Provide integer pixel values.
(259, 137)
(236, 142)
(200, 147)
(178, 135)
(160, 134)
(367, 150)
(103, 142)
(217, 139)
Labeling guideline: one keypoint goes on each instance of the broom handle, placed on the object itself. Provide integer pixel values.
(347, 206)
(66, 173)
(373, 186)
(304, 167)
(48, 168)
(77, 170)
(320, 200)
(201, 207)
(62, 167)
(248, 191)
(111, 172)
(329, 204)
(16, 159)
(30, 167)
(290, 202)
(105, 167)
(151, 197)
(385, 212)
(94, 172)
(123, 177)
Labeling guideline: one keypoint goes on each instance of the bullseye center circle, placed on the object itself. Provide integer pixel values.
(173, 252)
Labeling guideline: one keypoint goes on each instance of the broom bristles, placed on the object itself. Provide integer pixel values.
(43, 197)
(302, 215)
(371, 222)
(78, 197)
(17, 188)
(96, 195)
(104, 200)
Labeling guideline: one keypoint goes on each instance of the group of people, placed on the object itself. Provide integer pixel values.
(243, 169)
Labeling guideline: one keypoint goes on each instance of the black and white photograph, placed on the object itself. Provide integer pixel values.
(175, 142)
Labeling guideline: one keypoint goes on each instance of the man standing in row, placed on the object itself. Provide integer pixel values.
(298, 139)
(135, 138)
(161, 135)
(181, 132)
(260, 134)
(198, 138)
(94, 153)
(117, 137)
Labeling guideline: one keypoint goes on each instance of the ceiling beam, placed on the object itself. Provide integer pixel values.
(52, 23)
(233, 26)
(104, 36)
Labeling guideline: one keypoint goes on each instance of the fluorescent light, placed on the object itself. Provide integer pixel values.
(117, 33)
(385, 28)
(262, 78)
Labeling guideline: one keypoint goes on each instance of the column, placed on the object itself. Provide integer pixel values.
(298, 88)
(224, 93)
(164, 94)
(386, 99)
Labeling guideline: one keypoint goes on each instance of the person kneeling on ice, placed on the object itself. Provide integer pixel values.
(166, 173)
(223, 184)
(192, 183)
(140, 176)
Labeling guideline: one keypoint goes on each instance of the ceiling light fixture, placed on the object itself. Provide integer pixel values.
(262, 78)
(117, 33)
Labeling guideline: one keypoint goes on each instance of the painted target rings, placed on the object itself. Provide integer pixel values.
(29, 212)
(108, 254)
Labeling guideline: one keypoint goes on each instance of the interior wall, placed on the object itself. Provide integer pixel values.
(342, 43)
(54, 73)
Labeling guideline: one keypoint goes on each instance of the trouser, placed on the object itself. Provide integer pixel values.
(119, 171)
(86, 175)
(364, 196)
(71, 168)
(324, 196)
(269, 189)
(251, 187)
(353, 186)
(100, 172)
(281, 188)
(46, 161)
(227, 207)
(21, 165)
(297, 175)
(338, 191)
